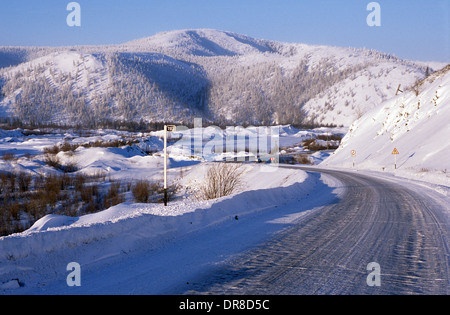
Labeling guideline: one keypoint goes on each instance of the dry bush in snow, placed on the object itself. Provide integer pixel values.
(222, 180)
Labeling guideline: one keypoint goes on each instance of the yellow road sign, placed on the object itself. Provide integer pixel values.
(395, 152)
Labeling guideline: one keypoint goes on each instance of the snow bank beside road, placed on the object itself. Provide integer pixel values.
(124, 227)
(416, 123)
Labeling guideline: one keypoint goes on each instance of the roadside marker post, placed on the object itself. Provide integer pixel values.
(395, 153)
(354, 156)
(167, 129)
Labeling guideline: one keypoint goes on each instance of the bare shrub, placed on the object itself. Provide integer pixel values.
(222, 180)
(52, 150)
(110, 144)
(12, 182)
(14, 210)
(8, 157)
(67, 147)
(36, 207)
(416, 87)
(25, 198)
(70, 167)
(313, 146)
(148, 192)
(141, 191)
(302, 159)
(331, 137)
(24, 181)
(52, 161)
(78, 181)
(87, 194)
(7, 225)
(3, 183)
(114, 197)
(53, 185)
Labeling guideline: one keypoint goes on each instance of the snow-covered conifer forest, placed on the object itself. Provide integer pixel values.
(220, 76)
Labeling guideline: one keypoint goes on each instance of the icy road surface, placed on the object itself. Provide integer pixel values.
(318, 240)
(403, 229)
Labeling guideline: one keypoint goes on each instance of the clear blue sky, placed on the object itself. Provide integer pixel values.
(412, 29)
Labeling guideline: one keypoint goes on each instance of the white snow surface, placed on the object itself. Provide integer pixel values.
(269, 193)
(37, 257)
(201, 42)
(87, 72)
(55, 232)
(416, 125)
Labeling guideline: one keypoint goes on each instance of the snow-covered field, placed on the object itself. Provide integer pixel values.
(30, 259)
(190, 146)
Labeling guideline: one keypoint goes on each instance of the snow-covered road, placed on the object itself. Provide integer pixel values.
(316, 236)
(403, 229)
(151, 249)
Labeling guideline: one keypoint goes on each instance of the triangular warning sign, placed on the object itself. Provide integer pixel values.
(395, 152)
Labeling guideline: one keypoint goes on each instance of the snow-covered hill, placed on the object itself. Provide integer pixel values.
(202, 43)
(349, 99)
(416, 123)
(70, 86)
(221, 76)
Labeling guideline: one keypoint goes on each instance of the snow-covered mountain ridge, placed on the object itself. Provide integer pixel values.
(220, 76)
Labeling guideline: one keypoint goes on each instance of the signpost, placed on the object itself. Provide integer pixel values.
(167, 129)
(395, 153)
(354, 156)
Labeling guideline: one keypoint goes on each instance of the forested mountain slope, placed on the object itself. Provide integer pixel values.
(220, 76)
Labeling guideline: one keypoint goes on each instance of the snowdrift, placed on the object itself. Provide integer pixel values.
(416, 123)
(127, 226)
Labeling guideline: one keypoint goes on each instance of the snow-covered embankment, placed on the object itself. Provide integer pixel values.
(416, 123)
(131, 228)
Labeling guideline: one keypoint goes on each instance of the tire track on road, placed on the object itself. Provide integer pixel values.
(328, 251)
